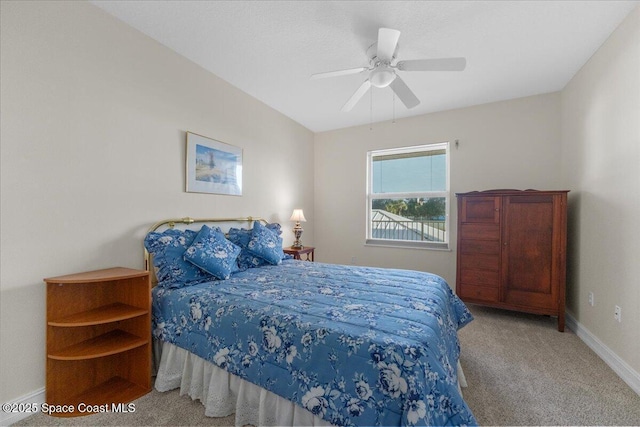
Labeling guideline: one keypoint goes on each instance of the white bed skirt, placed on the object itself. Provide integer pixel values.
(204, 381)
(223, 393)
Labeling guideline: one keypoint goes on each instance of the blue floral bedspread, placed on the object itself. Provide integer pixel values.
(354, 345)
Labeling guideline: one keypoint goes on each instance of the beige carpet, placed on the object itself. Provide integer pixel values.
(520, 370)
(153, 409)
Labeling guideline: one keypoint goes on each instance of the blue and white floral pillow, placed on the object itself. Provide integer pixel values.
(168, 248)
(213, 253)
(241, 237)
(266, 244)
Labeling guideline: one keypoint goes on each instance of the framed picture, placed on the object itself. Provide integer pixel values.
(213, 166)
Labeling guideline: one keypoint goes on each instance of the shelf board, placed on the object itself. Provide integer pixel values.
(116, 273)
(104, 345)
(109, 313)
(113, 391)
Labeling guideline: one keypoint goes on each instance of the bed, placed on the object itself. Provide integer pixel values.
(286, 342)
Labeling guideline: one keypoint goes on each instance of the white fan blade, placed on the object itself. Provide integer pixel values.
(339, 73)
(439, 64)
(387, 42)
(404, 93)
(364, 87)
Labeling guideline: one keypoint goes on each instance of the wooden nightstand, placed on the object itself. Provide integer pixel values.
(296, 252)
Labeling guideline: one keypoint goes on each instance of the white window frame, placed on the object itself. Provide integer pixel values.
(408, 195)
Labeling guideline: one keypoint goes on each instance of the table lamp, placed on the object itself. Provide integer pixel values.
(297, 216)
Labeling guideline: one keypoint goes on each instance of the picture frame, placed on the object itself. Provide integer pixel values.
(213, 166)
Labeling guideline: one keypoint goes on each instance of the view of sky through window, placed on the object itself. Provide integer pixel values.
(423, 172)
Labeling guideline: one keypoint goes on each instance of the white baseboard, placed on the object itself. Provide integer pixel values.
(36, 398)
(619, 366)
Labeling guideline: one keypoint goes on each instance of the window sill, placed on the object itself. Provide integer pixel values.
(403, 244)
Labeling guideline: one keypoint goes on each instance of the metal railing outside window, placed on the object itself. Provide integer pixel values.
(423, 230)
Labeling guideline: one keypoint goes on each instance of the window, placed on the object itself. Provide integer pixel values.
(408, 196)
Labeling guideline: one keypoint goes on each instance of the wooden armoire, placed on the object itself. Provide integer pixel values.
(512, 250)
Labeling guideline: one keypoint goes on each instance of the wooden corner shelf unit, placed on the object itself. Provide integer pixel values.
(98, 339)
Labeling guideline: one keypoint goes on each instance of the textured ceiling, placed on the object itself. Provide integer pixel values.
(269, 49)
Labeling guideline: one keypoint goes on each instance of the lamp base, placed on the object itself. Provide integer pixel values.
(297, 231)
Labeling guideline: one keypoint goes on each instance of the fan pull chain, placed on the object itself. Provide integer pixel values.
(371, 109)
(394, 108)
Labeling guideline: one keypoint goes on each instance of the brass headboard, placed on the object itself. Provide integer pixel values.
(171, 223)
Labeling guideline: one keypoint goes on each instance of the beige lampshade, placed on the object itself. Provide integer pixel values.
(297, 216)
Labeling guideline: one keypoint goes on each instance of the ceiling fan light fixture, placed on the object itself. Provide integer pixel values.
(382, 76)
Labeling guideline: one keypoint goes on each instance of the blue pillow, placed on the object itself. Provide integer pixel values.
(275, 227)
(213, 253)
(246, 259)
(266, 244)
(241, 237)
(168, 248)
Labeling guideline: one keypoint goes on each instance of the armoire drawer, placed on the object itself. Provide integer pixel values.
(475, 277)
(479, 231)
(479, 293)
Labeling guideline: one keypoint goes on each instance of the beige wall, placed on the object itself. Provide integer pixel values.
(94, 116)
(509, 144)
(601, 164)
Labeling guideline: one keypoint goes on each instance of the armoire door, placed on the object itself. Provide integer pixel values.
(530, 250)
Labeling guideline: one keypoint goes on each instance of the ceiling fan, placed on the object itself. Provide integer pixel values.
(383, 73)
